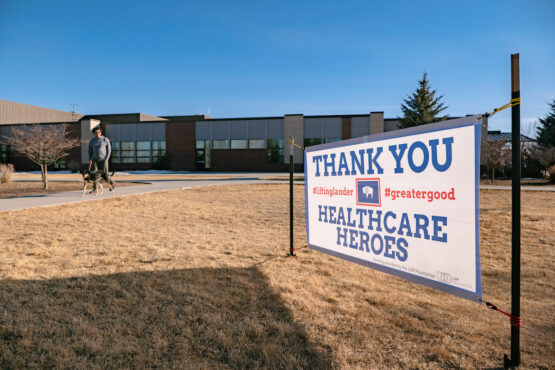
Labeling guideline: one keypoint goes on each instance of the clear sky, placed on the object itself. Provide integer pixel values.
(264, 58)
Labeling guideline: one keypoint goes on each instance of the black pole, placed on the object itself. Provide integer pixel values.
(291, 149)
(515, 275)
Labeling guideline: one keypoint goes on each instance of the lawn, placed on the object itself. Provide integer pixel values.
(199, 278)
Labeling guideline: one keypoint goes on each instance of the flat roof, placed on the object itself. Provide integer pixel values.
(125, 117)
(299, 114)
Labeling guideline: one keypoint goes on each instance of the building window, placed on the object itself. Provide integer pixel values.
(158, 149)
(238, 144)
(199, 154)
(128, 152)
(60, 164)
(143, 152)
(312, 141)
(4, 153)
(202, 154)
(137, 152)
(316, 141)
(275, 151)
(221, 144)
(115, 156)
(257, 144)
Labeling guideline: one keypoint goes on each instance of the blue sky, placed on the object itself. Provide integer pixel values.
(264, 58)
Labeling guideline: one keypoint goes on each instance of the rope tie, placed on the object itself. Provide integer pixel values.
(512, 103)
(514, 320)
(291, 141)
(296, 249)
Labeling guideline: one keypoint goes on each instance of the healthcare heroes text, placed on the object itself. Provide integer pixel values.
(372, 225)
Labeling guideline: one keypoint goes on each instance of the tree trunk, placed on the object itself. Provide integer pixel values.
(492, 174)
(43, 171)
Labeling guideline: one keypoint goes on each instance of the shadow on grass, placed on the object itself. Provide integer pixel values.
(192, 318)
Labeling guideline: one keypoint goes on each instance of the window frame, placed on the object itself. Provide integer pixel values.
(263, 141)
(275, 152)
(220, 142)
(244, 143)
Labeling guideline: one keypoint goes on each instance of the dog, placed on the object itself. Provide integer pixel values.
(90, 177)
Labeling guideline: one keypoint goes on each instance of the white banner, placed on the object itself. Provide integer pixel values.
(405, 202)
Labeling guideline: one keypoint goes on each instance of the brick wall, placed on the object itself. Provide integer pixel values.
(180, 143)
(345, 128)
(73, 160)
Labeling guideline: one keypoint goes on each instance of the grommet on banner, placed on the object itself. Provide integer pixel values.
(515, 321)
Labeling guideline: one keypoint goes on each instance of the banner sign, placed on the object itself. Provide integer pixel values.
(405, 202)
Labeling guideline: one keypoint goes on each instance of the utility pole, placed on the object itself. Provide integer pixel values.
(515, 275)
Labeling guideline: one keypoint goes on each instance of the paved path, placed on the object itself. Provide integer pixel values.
(47, 200)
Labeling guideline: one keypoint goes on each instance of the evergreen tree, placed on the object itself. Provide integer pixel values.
(546, 132)
(422, 107)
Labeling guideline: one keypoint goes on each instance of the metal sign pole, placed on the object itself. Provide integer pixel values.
(515, 275)
(291, 149)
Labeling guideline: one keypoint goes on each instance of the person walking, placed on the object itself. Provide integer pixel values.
(100, 150)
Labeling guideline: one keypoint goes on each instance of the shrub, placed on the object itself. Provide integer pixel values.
(163, 162)
(73, 166)
(6, 171)
(531, 168)
(551, 174)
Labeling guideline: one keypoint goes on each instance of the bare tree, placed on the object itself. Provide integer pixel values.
(545, 155)
(495, 154)
(42, 144)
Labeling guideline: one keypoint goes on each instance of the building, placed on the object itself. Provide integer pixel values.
(506, 137)
(193, 142)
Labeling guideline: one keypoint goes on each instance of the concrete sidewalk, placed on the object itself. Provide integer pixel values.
(68, 197)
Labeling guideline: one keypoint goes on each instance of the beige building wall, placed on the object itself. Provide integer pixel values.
(376, 123)
(86, 135)
(293, 127)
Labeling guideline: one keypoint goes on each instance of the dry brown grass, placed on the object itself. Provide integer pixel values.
(199, 279)
(28, 188)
